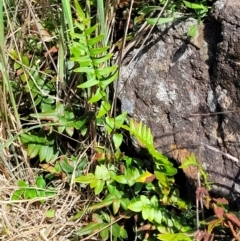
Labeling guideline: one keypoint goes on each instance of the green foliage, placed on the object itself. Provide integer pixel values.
(101, 223)
(37, 84)
(92, 60)
(40, 144)
(191, 160)
(200, 8)
(145, 140)
(26, 192)
(174, 237)
(125, 187)
(124, 191)
(65, 120)
(177, 10)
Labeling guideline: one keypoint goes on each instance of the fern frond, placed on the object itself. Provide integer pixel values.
(88, 52)
(189, 161)
(38, 144)
(145, 139)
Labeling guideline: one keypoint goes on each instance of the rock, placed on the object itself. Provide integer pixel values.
(178, 86)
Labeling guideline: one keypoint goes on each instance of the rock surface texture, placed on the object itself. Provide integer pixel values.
(178, 86)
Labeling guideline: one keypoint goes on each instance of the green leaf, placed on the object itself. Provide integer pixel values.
(78, 215)
(68, 14)
(25, 60)
(154, 201)
(116, 206)
(89, 83)
(79, 10)
(50, 213)
(105, 71)
(14, 54)
(121, 118)
(104, 82)
(105, 203)
(101, 60)
(25, 138)
(50, 192)
(160, 159)
(114, 191)
(110, 124)
(151, 214)
(49, 153)
(17, 194)
(51, 115)
(192, 32)
(159, 21)
(42, 153)
(99, 187)
(40, 182)
(162, 178)
(132, 175)
(123, 233)
(149, 9)
(89, 229)
(96, 51)
(158, 216)
(117, 140)
(121, 179)
(94, 183)
(85, 179)
(66, 167)
(21, 183)
(138, 187)
(189, 161)
(83, 61)
(195, 6)
(173, 237)
(33, 150)
(125, 202)
(145, 212)
(116, 230)
(98, 171)
(136, 206)
(95, 40)
(16, 66)
(146, 177)
(104, 108)
(105, 232)
(169, 170)
(88, 70)
(90, 30)
(145, 200)
(30, 193)
(98, 96)
(79, 124)
(79, 48)
(101, 172)
(70, 130)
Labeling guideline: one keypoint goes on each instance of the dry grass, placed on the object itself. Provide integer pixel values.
(26, 220)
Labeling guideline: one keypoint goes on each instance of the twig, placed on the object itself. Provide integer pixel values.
(221, 152)
(215, 113)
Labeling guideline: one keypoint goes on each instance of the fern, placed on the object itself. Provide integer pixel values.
(91, 58)
(191, 160)
(145, 139)
(38, 144)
